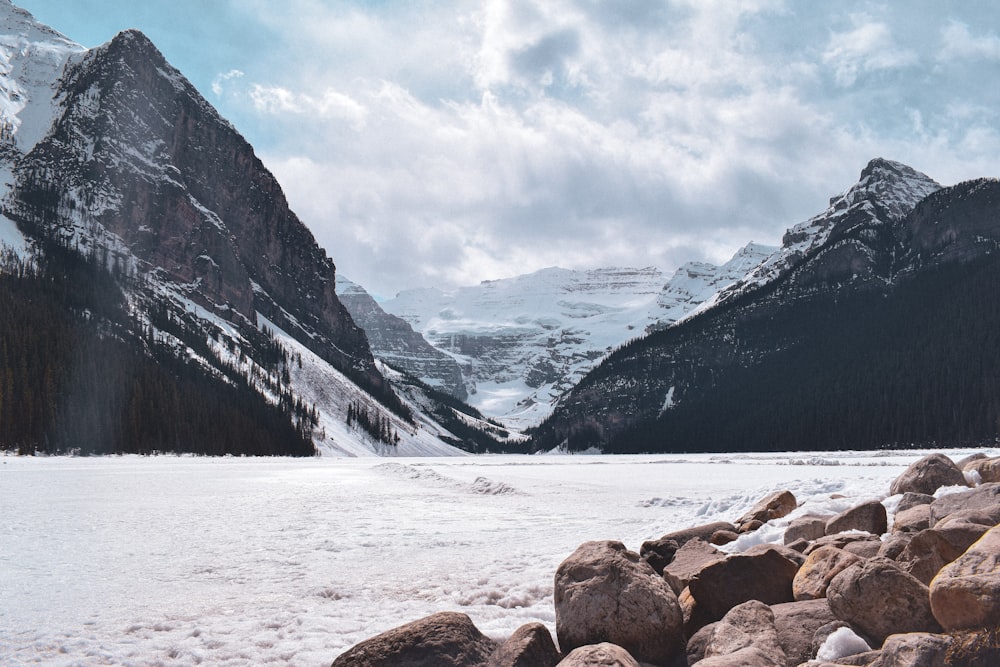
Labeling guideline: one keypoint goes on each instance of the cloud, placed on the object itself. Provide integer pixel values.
(868, 47)
(219, 82)
(958, 42)
(276, 100)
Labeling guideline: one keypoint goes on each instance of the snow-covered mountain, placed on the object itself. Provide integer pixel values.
(111, 154)
(522, 342)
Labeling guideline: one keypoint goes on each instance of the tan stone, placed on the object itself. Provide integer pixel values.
(772, 506)
(869, 517)
(531, 645)
(912, 520)
(688, 561)
(819, 569)
(606, 593)
(928, 475)
(765, 576)
(966, 592)
(932, 549)
(805, 528)
(603, 654)
(988, 469)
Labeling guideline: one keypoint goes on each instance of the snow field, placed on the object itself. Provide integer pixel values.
(187, 561)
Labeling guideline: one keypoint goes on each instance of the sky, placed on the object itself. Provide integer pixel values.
(432, 143)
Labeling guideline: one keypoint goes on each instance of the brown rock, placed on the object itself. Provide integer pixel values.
(988, 469)
(806, 528)
(606, 593)
(841, 541)
(985, 497)
(604, 654)
(690, 559)
(799, 545)
(916, 649)
(963, 464)
(911, 499)
(446, 639)
(864, 548)
(869, 517)
(928, 475)
(750, 526)
(698, 642)
(531, 645)
(703, 532)
(932, 549)
(966, 593)
(750, 624)
(984, 516)
(658, 553)
(912, 520)
(894, 545)
(721, 537)
(773, 506)
(797, 623)
(765, 576)
(880, 599)
(821, 566)
(791, 554)
(751, 656)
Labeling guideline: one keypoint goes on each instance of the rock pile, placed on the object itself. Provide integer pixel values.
(842, 590)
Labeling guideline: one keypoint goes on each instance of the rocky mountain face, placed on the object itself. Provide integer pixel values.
(395, 342)
(111, 154)
(865, 329)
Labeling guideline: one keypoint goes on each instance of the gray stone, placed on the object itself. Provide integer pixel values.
(911, 499)
(603, 654)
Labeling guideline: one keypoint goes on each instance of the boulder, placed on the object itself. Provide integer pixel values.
(658, 553)
(690, 559)
(721, 537)
(703, 532)
(928, 475)
(893, 545)
(911, 499)
(912, 520)
(841, 541)
(797, 624)
(531, 645)
(445, 639)
(799, 545)
(805, 528)
(966, 593)
(606, 593)
(751, 656)
(988, 469)
(975, 648)
(869, 517)
(765, 576)
(772, 506)
(878, 598)
(864, 548)
(985, 497)
(599, 655)
(698, 642)
(984, 516)
(932, 549)
(916, 649)
(820, 567)
(791, 554)
(963, 464)
(750, 624)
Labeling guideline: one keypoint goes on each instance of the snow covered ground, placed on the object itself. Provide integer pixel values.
(185, 561)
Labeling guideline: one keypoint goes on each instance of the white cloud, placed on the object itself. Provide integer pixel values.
(958, 42)
(868, 47)
(276, 100)
(219, 82)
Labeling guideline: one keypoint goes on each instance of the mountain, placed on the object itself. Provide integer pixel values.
(876, 324)
(119, 175)
(395, 342)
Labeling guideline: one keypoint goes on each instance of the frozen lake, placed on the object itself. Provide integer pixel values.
(185, 561)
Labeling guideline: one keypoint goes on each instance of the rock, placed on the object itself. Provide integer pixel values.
(791, 554)
(981, 516)
(658, 553)
(864, 548)
(805, 528)
(606, 593)
(975, 648)
(912, 520)
(985, 497)
(932, 549)
(963, 464)
(750, 526)
(750, 624)
(869, 517)
(698, 642)
(797, 624)
(703, 532)
(750, 656)
(531, 645)
(894, 545)
(820, 567)
(988, 469)
(721, 537)
(928, 475)
(966, 593)
(799, 545)
(773, 506)
(841, 541)
(911, 499)
(880, 599)
(765, 576)
(599, 655)
(690, 559)
(917, 649)
(446, 639)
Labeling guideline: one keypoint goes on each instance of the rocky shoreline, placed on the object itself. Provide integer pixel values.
(914, 585)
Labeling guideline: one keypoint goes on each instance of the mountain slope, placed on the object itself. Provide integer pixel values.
(110, 155)
(879, 333)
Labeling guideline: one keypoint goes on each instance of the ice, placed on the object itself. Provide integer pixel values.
(231, 561)
(841, 643)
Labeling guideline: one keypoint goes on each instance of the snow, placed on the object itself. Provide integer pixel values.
(841, 643)
(185, 561)
(11, 237)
